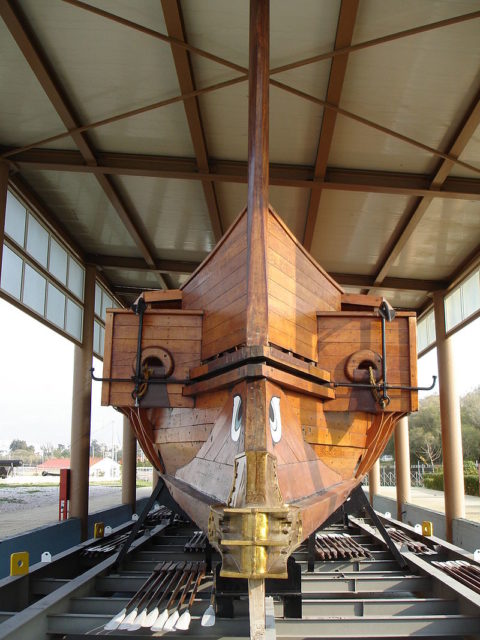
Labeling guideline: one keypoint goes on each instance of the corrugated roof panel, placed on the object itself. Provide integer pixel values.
(412, 85)
(446, 235)
(402, 299)
(173, 213)
(84, 210)
(26, 114)
(353, 228)
(106, 69)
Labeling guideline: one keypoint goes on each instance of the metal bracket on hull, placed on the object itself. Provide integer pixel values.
(380, 390)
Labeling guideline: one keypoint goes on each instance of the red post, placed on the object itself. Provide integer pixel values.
(64, 494)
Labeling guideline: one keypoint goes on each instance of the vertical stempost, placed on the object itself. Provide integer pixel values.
(257, 204)
(257, 210)
(256, 596)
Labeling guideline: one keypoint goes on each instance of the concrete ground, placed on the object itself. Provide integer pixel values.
(25, 508)
(432, 499)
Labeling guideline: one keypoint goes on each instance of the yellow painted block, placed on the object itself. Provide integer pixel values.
(98, 530)
(19, 562)
(427, 528)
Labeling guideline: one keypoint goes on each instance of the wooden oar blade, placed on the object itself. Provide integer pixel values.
(183, 623)
(138, 622)
(151, 618)
(160, 621)
(116, 621)
(128, 620)
(171, 622)
(208, 618)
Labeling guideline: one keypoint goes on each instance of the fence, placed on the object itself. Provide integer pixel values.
(388, 475)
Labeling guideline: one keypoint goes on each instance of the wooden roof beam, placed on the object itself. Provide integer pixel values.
(345, 28)
(35, 57)
(175, 27)
(341, 179)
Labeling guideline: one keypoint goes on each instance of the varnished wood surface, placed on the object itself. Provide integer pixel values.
(258, 173)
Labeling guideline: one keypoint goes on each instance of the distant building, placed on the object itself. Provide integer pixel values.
(99, 467)
(105, 468)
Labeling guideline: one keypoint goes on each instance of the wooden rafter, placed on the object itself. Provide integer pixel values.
(283, 175)
(346, 25)
(460, 139)
(21, 32)
(173, 19)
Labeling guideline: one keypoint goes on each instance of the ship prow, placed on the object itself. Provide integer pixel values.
(261, 401)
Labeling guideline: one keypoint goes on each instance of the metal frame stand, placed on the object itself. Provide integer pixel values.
(290, 590)
(357, 503)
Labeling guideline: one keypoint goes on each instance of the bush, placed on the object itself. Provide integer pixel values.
(469, 468)
(471, 484)
(435, 481)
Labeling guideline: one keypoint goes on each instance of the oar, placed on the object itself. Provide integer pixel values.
(208, 618)
(152, 614)
(183, 622)
(120, 616)
(163, 617)
(172, 620)
(142, 615)
(130, 617)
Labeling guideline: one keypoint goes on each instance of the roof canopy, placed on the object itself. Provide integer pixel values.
(127, 123)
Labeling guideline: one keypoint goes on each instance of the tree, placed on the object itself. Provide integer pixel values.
(432, 449)
(18, 444)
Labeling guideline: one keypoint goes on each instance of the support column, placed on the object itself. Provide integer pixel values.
(374, 481)
(450, 418)
(3, 204)
(402, 465)
(81, 409)
(129, 465)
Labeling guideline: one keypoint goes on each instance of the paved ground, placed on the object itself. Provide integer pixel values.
(25, 508)
(432, 499)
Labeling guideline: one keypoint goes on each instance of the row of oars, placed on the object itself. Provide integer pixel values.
(338, 546)
(412, 545)
(466, 573)
(105, 546)
(197, 542)
(145, 609)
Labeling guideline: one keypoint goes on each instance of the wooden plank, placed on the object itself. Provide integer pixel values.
(169, 295)
(152, 318)
(158, 333)
(207, 291)
(285, 262)
(282, 269)
(107, 358)
(224, 343)
(412, 327)
(191, 433)
(291, 381)
(319, 435)
(361, 300)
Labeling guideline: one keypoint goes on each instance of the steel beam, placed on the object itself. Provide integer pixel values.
(283, 175)
(35, 57)
(463, 134)
(175, 27)
(345, 27)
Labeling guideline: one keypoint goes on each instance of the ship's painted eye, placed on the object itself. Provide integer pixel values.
(236, 418)
(275, 419)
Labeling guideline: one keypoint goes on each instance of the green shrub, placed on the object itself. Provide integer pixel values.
(435, 481)
(469, 468)
(471, 484)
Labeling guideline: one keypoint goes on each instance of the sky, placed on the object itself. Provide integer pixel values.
(36, 377)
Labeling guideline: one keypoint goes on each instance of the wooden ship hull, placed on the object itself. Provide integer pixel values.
(242, 417)
(259, 390)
